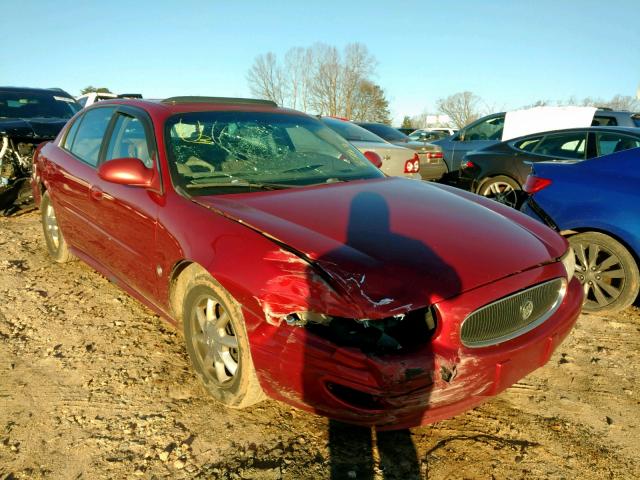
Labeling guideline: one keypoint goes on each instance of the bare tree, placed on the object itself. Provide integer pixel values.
(298, 65)
(358, 65)
(462, 108)
(266, 79)
(320, 79)
(326, 79)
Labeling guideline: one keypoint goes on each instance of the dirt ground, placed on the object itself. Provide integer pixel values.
(93, 385)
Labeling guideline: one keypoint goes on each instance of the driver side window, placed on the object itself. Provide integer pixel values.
(129, 140)
(489, 129)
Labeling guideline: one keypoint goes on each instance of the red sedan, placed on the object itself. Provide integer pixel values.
(296, 268)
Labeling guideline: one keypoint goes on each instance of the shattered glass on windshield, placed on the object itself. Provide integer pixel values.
(240, 148)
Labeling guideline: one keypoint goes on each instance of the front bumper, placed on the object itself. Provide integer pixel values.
(440, 380)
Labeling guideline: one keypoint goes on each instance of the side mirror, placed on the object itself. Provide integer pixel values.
(126, 171)
(374, 158)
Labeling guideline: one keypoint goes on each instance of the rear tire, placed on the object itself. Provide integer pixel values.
(607, 271)
(217, 343)
(502, 189)
(56, 244)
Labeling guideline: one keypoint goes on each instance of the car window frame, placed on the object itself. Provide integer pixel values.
(80, 119)
(552, 134)
(147, 124)
(461, 134)
(601, 132)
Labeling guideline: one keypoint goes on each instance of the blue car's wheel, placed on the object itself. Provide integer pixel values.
(607, 271)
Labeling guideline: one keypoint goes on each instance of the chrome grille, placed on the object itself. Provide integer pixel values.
(512, 316)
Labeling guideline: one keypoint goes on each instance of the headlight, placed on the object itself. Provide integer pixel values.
(569, 262)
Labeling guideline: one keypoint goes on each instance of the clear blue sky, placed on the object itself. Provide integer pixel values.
(509, 52)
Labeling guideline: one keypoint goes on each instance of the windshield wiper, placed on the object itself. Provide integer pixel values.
(243, 184)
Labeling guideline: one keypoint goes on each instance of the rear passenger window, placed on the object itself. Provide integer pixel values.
(528, 144)
(71, 134)
(614, 142)
(88, 139)
(563, 145)
(129, 140)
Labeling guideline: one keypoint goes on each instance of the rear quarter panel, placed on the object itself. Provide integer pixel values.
(599, 194)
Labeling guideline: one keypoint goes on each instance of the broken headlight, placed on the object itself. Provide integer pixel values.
(394, 334)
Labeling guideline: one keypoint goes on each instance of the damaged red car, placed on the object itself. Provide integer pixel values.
(297, 269)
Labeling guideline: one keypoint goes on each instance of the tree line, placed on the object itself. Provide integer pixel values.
(320, 79)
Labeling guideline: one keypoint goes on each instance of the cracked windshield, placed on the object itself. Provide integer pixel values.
(225, 151)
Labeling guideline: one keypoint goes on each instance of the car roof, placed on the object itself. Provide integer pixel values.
(34, 90)
(631, 130)
(173, 105)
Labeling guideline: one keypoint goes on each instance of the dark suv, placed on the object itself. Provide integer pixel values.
(28, 117)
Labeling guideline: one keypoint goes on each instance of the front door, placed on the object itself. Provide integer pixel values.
(129, 214)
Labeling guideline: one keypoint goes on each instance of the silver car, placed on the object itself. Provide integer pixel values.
(432, 166)
(396, 161)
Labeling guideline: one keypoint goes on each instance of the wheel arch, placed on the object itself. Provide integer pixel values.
(609, 232)
(182, 271)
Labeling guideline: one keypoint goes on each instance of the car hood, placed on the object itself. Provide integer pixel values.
(32, 129)
(393, 244)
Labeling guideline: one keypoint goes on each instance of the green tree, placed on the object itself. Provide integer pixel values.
(407, 122)
(91, 89)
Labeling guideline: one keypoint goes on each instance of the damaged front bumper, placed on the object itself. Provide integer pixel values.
(437, 380)
(15, 170)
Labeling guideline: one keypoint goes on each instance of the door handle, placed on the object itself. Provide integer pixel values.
(96, 193)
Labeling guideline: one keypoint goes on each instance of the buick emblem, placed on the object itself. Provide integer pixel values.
(526, 309)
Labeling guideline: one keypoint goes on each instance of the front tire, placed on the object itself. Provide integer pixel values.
(56, 244)
(607, 271)
(217, 343)
(502, 189)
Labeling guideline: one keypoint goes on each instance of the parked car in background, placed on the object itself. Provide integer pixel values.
(447, 130)
(427, 135)
(396, 161)
(299, 270)
(596, 204)
(432, 166)
(488, 130)
(90, 98)
(499, 171)
(28, 116)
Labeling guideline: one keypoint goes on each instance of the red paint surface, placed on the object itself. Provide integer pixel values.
(365, 249)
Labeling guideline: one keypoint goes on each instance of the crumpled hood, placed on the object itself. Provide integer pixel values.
(394, 244)
(32, 129)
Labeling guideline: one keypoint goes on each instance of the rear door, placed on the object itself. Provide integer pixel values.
(74, 177)
(128, 215)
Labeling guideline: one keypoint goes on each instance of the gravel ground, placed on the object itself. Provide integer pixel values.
(95, 386)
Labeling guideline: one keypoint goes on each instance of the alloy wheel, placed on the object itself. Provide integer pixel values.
(601, 273)
(501, 192)
(215, 342)
(51, 224)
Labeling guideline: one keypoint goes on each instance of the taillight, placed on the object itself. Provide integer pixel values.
(413, 165)
(468, 164)
(535, 184)
(374, 158)
(434, 155)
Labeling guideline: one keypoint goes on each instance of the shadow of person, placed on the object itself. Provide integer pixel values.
(399, 361)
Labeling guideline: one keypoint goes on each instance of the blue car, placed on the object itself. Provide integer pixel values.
(596, 205)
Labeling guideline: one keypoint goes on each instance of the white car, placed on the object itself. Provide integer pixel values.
(93, 97)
